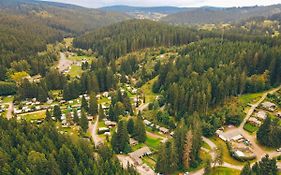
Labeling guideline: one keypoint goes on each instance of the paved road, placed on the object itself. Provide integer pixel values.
(64, 63)
(93, 130)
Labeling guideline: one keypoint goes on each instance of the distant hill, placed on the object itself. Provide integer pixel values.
(131, 9)
(68, 18)
(27, 26)
(152, 13)
(220, 15)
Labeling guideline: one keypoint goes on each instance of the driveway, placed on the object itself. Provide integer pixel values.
(93, 130)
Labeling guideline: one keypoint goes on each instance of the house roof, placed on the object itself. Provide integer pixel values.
(140, 152)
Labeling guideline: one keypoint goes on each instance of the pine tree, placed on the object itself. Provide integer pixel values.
(93, 104)
(101, 113)
(120, 141)
(84, 104)
(83, 121)
(48, 115)
(246, 169)
(75, 116)
(264, 132)
(57, 112)
(131, 126)
(187, 149)
(140, 133)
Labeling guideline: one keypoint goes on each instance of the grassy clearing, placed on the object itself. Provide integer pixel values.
(75, 71)
(104, 100)
(206, 146)
(34, 115)
(250, 128)
(8, 99)
(226, 155)
(250, 98)
(147, 90)
(138, 146)
(80, 58)
(224, 171)
(153, 143)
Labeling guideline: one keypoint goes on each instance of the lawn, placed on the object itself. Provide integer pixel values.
(147, 90)
(224, 171)
(226, 155)
(138, 146)
(250, 98)
(206, 146)
(80, 58)
(104, 100)
(250, 128)
(8, 99)
(149, 161)
(75, 71)
(33, 115)
(153, 143)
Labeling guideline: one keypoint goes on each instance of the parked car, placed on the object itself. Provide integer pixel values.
(278, 150)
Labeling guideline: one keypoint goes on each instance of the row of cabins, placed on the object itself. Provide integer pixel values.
(257, 118)
(163, 130)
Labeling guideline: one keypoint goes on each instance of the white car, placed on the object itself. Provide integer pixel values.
(278, 150)
(186, 173)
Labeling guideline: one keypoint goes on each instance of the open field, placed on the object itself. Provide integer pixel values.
(250, 128)
(224, 171)
(147, 90)
(250, 98)
(8, 99)
(75, 71)
(33, 115)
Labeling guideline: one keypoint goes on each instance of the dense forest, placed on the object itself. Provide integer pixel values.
(119, 39)
(29, 149)
(210, 71)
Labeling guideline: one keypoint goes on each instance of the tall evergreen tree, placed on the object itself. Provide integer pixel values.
(84, 121)
(93, 104)
(57, 112)
(84, 104)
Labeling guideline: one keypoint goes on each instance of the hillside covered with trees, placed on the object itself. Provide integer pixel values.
(119, 39)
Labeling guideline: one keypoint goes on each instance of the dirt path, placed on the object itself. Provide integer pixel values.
(64, 63)
(143, 106)
(10, 111)
(93, 130)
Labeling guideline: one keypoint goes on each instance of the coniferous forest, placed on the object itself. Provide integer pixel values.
(95, 91)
